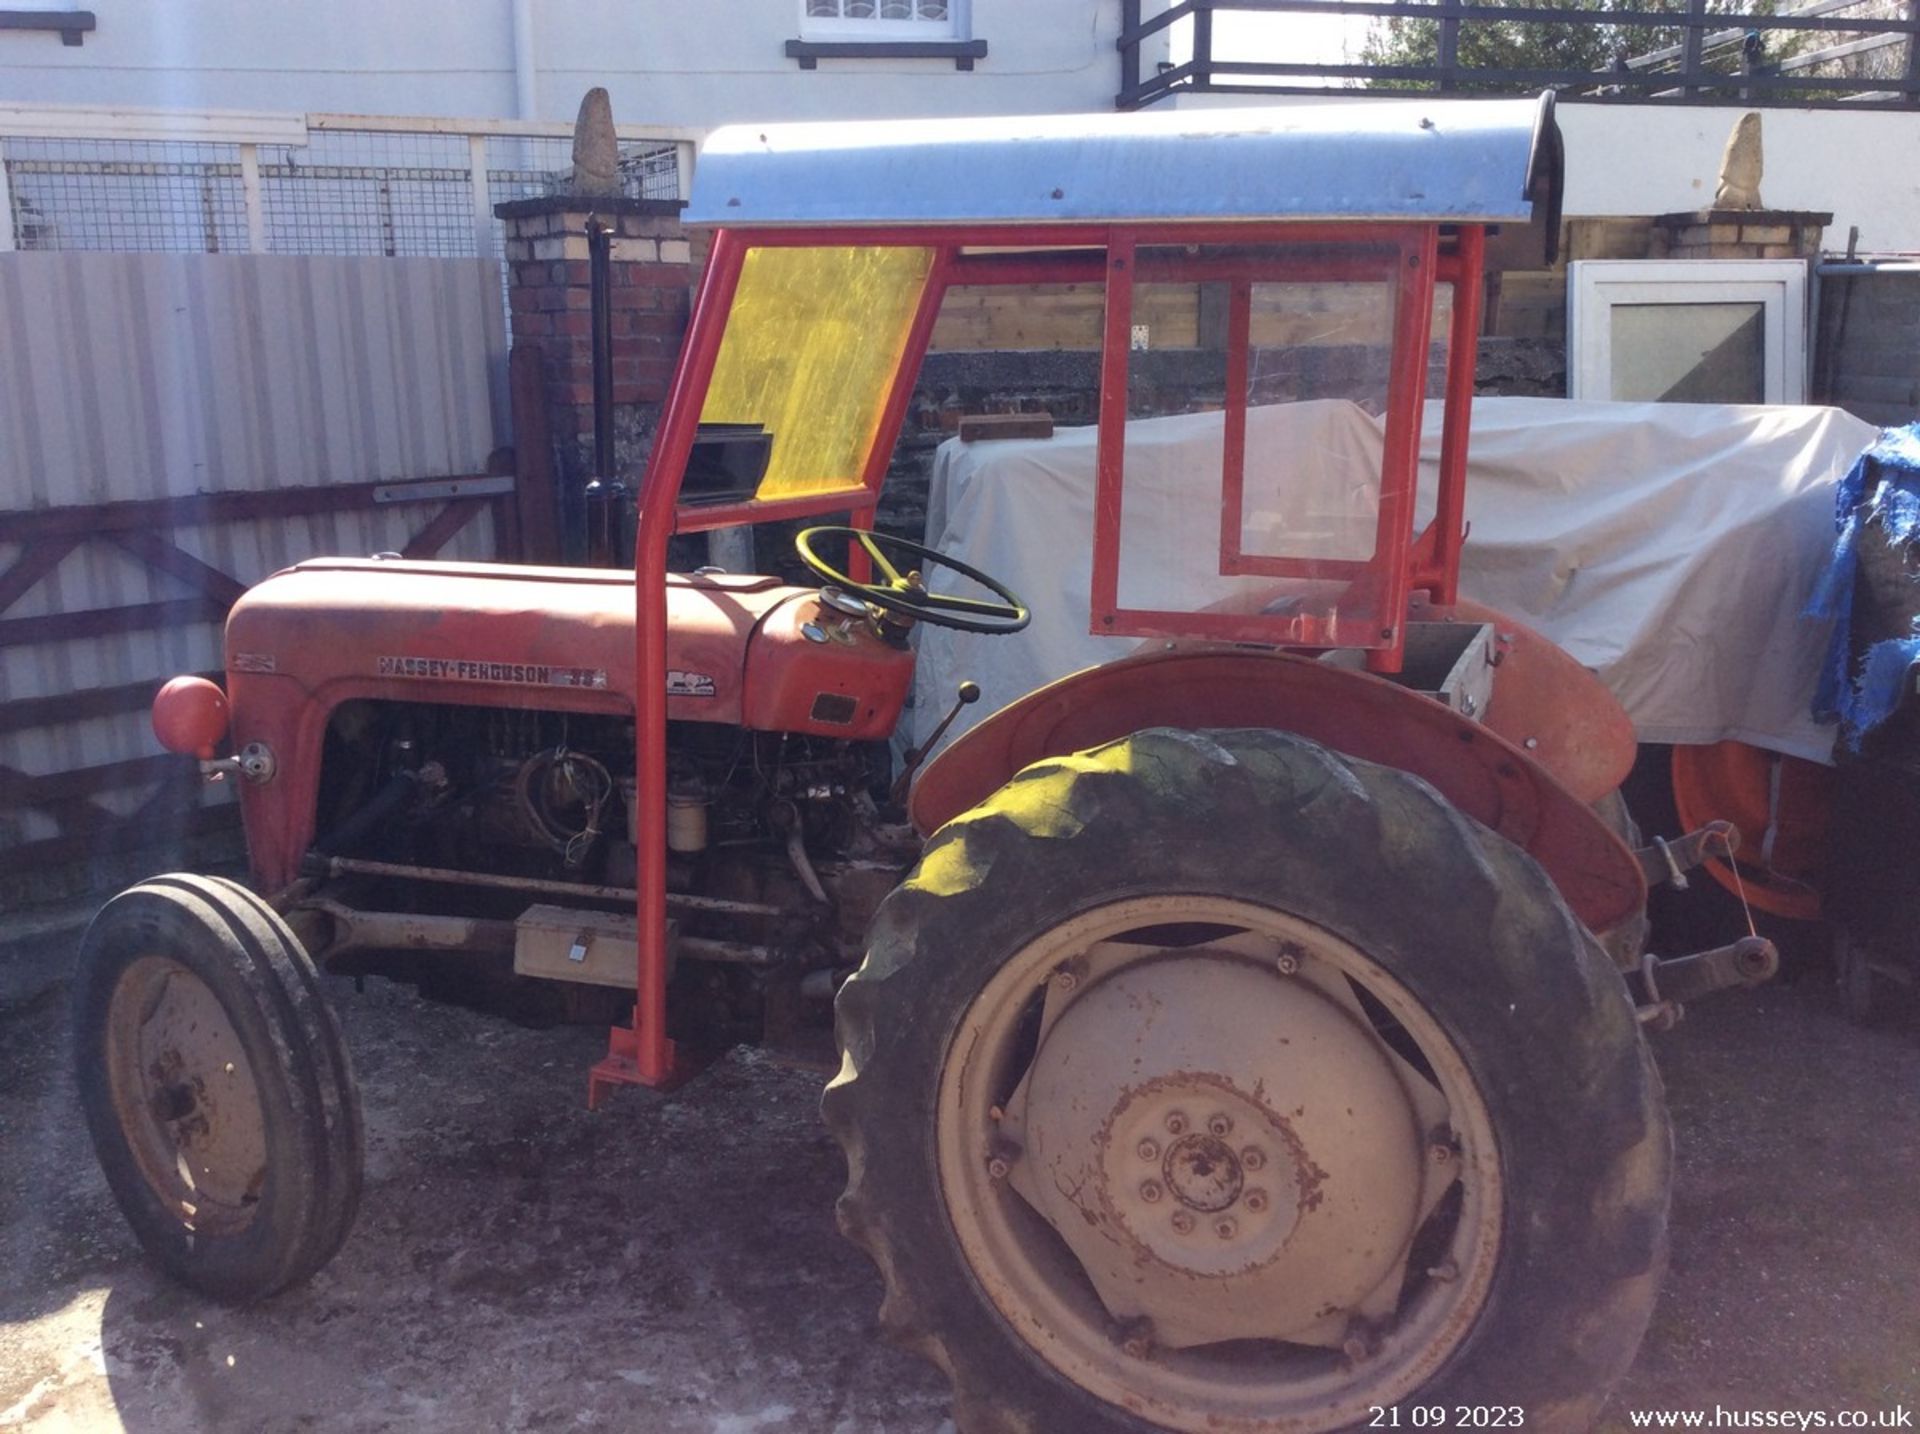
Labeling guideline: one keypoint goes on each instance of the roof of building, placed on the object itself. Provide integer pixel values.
(1341, 158)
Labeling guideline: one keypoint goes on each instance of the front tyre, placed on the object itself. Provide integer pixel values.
(1215, 1081)
(216, 1086)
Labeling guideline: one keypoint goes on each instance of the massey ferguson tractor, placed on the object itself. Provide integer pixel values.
(1243, 1035)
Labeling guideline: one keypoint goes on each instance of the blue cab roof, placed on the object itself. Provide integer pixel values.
(1469, 161)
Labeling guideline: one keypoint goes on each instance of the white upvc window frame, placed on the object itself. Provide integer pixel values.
(1594, 286)
(957, 26)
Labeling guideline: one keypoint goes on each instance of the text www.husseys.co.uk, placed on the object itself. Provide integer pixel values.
(1721, 1417)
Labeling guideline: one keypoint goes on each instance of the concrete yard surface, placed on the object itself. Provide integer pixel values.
(670, 1263)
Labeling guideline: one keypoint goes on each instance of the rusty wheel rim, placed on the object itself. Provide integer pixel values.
(1152, 1278)
(185, 1096)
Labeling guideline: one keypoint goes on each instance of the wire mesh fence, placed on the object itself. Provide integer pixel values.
(392, 191)
(400, 195)
(126, 195)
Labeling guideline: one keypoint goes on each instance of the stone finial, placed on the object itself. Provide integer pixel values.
(1740, 167)
(596, 152)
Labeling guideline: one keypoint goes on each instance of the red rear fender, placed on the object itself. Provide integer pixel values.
(1546, 702)
(1480, 771)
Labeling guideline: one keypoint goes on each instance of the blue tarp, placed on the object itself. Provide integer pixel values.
(1883, 488)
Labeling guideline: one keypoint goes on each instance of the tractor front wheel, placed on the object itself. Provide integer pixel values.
(1213, 1081)
(216, 1086)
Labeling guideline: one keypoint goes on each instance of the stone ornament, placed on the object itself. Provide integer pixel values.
(1740, 167)
(596, 151)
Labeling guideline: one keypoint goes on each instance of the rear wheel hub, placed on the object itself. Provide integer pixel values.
(1200, 1205)
(1148, 1100)
(1204, 1174)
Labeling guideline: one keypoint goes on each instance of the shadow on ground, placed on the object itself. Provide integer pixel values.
(670, 1264)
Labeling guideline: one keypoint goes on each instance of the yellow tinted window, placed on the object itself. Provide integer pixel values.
(811, 348)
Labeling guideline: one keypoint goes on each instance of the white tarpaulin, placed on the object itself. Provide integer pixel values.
(1669, 547)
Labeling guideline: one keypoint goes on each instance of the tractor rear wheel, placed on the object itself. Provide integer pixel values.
(1215, 1081)
(216, 1086)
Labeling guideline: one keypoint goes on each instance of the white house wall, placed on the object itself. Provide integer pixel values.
(678, 62)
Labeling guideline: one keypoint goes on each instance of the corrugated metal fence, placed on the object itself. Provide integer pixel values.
(174, 427)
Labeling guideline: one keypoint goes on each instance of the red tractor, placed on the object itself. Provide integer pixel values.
(1245, 1035)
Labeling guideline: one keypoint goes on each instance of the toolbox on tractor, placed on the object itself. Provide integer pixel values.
(1241, 1035)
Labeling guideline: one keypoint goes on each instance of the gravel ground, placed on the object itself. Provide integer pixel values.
(670, 1264)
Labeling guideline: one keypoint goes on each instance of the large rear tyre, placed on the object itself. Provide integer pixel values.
(1627, 942)
(1215, 1081)
(216, 1086)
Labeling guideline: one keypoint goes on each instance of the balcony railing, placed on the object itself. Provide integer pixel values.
(1853, 54)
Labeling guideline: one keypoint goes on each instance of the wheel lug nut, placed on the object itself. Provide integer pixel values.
(1361, 1342)
(1220, 1124)
(1253, 1158)
(1445, 1272)
(1439, 1152)
(1000, 1157)
(1286, 963)
(1256, 1200)
(1182, 1222)
(1225, 1229)
(1176, 1122)
(1150, 1190)
(1136, 1339)
(1148, 1149)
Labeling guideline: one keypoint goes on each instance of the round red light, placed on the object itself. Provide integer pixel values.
(190, 716)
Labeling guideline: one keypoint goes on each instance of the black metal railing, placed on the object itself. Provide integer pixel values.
(1853, 54)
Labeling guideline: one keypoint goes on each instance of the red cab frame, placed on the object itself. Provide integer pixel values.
(1402, 564)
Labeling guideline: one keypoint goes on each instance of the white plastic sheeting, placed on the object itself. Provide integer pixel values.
(1669, 547)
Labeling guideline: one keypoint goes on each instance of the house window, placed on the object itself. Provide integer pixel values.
(881, 20)
(1687, 330)
(886, 30)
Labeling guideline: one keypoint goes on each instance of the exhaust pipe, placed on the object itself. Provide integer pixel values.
(605, 494)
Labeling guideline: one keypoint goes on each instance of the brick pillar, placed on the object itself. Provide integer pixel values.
(1739, 234)
(549, 291)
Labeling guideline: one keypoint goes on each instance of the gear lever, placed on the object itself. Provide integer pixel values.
(968, 694)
